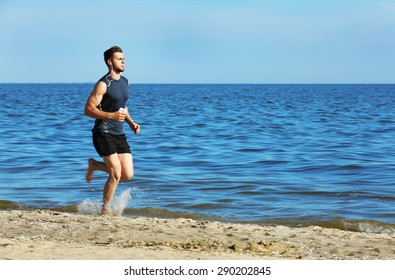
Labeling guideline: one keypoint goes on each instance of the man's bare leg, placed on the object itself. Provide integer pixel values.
(127, 166)
(122, 162)
(94, 165)
(114, 170)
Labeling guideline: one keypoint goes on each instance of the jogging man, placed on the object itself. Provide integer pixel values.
(107, 104)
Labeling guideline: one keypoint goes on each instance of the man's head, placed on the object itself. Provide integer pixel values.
(114, 59)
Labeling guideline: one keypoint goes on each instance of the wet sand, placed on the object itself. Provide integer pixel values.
(47, 235)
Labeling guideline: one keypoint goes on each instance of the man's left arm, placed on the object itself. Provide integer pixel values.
(133, 125)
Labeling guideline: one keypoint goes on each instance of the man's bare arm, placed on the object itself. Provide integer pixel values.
(91, 106)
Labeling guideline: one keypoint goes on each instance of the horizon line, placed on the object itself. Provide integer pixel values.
(220, 83)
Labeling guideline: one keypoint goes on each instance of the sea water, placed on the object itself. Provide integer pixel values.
(288, 154)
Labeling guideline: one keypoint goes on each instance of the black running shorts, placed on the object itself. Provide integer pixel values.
(107, 144)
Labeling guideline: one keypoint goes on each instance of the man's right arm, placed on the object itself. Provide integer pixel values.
(91, 106)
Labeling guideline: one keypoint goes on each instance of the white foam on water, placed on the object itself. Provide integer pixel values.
(118, 204)
(374, 228)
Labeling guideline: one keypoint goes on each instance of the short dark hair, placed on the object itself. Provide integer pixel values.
(109, 53)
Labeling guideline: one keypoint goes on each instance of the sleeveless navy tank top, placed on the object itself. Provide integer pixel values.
(115, 98)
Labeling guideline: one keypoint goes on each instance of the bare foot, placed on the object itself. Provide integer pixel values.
(105, 210)
(106, 213)
(89, 171)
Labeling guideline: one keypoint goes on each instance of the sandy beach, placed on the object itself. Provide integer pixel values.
(47, 235)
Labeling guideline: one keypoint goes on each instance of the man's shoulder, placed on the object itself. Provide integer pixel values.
(104, 80)
(100, 86)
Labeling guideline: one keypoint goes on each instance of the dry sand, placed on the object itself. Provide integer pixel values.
(46, 235)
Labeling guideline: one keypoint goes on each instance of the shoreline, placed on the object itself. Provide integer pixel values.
(363, 225)
(47, 235)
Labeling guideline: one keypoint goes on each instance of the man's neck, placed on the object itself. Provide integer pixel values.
(115, 75)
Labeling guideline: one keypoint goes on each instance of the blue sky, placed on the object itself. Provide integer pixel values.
(217, 41)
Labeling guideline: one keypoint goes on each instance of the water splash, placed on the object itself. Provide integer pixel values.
(89, 207)
(119, 203)
(94, 207)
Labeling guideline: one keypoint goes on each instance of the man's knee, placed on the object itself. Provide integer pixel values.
(115, 174)
(128, 175)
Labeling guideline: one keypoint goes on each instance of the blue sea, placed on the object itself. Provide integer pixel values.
(295, 155)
